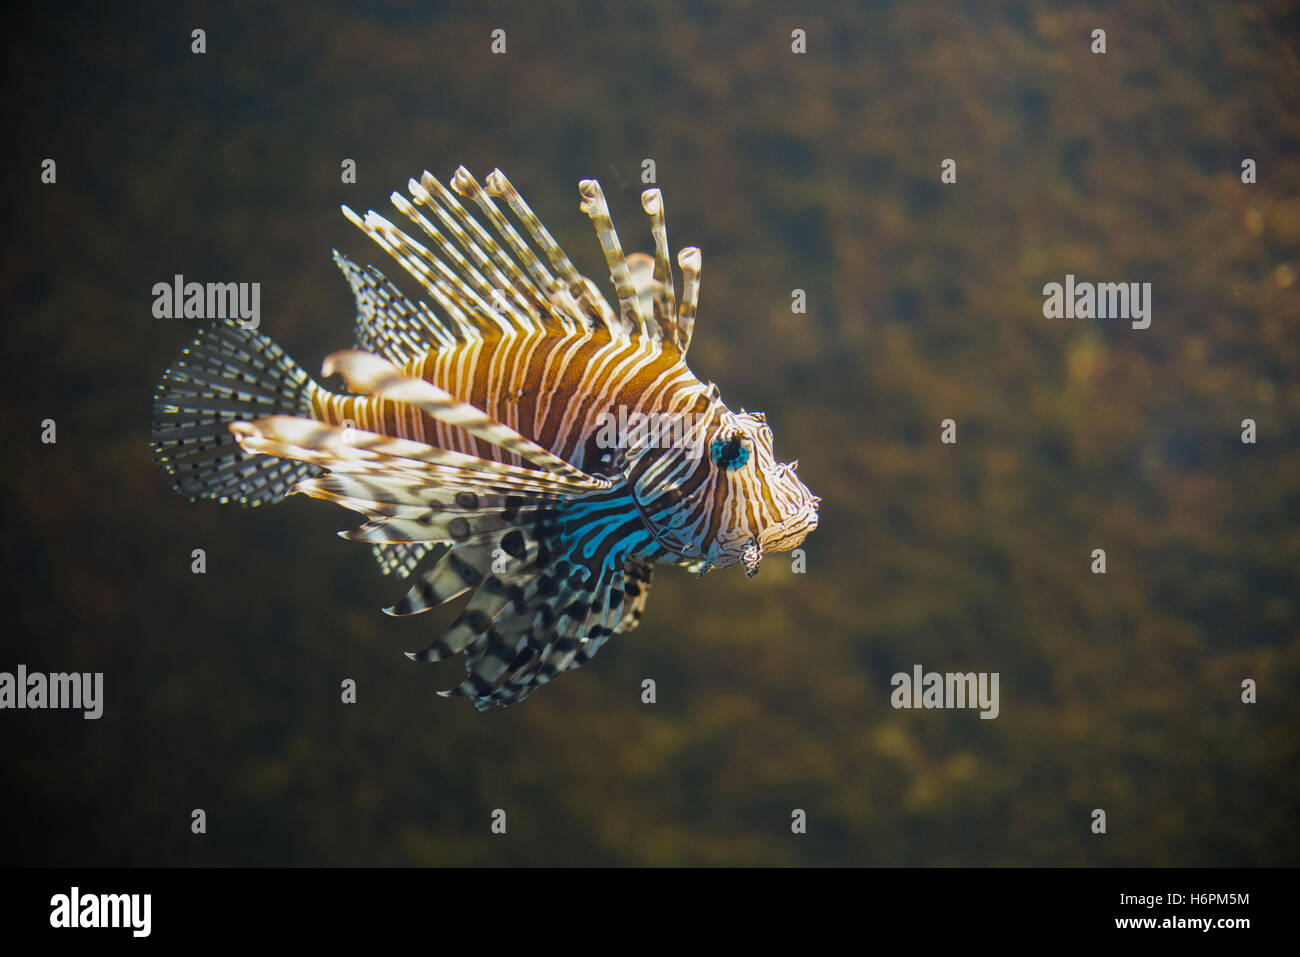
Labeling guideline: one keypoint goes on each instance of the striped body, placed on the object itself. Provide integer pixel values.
(551, 390)
(480, 427)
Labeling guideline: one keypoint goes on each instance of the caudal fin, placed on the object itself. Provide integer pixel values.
(228, 374)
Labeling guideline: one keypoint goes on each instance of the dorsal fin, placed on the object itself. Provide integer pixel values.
(388, 324)
(483, 284)
(641, 268)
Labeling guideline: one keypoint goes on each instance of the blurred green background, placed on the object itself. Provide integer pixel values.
(818, 172)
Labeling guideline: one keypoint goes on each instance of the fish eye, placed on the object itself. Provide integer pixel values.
(730, 453)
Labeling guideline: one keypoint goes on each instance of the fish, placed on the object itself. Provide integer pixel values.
(549, 448)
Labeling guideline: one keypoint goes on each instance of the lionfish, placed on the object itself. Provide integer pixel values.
(478, 427)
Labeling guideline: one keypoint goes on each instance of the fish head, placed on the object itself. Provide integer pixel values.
(723, 497)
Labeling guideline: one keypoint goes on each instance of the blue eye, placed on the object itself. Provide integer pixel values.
(730, 453)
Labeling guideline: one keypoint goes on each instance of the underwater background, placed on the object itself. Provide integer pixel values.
(816, 171)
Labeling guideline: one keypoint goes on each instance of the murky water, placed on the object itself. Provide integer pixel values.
(819, 172)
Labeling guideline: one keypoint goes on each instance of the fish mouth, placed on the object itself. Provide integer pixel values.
(791, 532)
(784, 539)
(749, 551)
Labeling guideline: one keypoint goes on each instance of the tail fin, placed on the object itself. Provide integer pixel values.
(228, 374)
